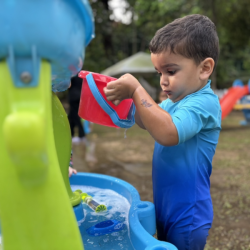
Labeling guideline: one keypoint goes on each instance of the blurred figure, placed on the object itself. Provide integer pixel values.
(74, 101)
(71, 169)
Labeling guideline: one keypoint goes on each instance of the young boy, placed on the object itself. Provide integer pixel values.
(185, 127)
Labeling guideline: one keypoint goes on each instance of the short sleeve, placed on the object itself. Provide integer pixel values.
(195, 114)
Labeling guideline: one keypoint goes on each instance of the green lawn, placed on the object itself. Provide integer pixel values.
(130, 159)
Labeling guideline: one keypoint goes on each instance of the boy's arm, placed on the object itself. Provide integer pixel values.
(156, 121)
(138, 120)
(148, 114)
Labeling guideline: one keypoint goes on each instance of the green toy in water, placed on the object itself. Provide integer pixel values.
(92, 203)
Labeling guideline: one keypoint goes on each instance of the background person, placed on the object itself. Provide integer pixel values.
(74, 94)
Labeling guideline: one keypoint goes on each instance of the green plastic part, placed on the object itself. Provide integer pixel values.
(84, 196)
(63, 145)
(79, 191)
(26, 146)
(101, 208)
(35, 209)
(92, 203)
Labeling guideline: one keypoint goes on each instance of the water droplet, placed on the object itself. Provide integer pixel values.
(125, 133)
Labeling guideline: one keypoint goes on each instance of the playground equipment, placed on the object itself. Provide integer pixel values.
(88, 199)
(141, 213)
(237, 92)
(42, 44)
(38, 48)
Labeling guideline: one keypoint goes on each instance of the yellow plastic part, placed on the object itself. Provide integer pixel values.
(242, 106)
(35, 210)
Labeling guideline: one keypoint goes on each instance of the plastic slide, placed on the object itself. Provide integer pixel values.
(228, 101)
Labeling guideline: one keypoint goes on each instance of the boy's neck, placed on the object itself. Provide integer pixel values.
(203, 84)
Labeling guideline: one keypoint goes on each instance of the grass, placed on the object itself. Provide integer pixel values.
(130, 159)
(230, 187)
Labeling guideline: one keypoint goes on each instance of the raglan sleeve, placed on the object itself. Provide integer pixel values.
(196, 114)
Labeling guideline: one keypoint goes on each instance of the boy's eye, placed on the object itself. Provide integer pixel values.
(171, 72)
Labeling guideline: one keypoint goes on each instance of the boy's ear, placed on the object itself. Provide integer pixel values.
(207, 67)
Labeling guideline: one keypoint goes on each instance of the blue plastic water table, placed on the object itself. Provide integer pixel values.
(37, 36)
(57, 31)
(141, 214)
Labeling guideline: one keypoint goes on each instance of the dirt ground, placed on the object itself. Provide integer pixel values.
(108, 152)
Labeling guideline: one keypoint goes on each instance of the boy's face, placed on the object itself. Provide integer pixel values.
(180, 76)
(163, 96)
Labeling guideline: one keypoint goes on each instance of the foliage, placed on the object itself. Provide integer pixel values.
(115, 41)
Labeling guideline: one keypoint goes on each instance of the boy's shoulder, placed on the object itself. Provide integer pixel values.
(203, 104)
(202, 97)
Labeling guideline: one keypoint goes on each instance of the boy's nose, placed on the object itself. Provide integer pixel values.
(164, 81)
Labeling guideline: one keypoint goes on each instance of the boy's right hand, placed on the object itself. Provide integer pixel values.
(122, 88)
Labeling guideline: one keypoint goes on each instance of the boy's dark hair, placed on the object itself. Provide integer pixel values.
(193, 36)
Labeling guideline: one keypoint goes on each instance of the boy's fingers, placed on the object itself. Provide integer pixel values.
(116, 102)
(111, 98)
(108, 92)
(114, 84)
(124, 76)
(111, 85)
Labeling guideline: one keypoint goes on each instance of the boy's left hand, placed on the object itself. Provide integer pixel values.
(122, 88)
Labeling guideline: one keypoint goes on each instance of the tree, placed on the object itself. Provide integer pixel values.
(115, 40)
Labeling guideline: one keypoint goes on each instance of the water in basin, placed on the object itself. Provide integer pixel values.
(117, 209)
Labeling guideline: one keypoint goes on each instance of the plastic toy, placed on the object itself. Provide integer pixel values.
(93, 204)
(105, 227)
(94, 106)
(141, 218)
(41, 46)
(234, 94)
(88, 199)
(244, 103)
(38, 48)
(58, 32)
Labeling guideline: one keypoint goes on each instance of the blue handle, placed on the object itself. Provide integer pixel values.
(128, 123)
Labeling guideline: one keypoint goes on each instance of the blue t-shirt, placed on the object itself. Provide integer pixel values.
(181, 173)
